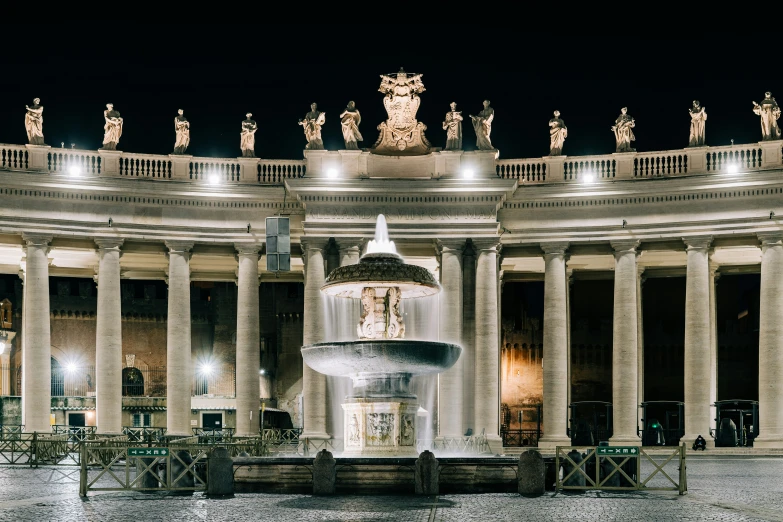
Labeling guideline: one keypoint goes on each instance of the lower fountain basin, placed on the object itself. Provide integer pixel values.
(381, 356)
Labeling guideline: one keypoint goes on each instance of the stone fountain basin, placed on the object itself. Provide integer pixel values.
(393, 356)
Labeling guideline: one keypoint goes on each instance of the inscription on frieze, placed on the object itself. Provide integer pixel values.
(396, 214)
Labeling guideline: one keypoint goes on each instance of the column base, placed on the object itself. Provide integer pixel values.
(770, 443)
(626, 440)
(553, 442)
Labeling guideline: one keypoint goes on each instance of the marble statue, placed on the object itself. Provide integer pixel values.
(312, 123)
(247, 140)
(769, 111)
(350, 120)
(33, 123)
(112, 129)
(353, 431)
(401, 134)
(453, 127)
(558, 132)
(182, 130)
(698, 117)
(623, 133)
(395, 328)
(482, 124)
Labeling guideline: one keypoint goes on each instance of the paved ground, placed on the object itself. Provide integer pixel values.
(740, 488)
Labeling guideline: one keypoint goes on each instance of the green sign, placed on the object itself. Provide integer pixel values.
(148, 452)
(626, 451)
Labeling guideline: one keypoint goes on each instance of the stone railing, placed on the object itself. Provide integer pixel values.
(634, 165)
(558, 169)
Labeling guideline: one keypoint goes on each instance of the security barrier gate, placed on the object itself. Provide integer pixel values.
(120, 467)
(621, 468)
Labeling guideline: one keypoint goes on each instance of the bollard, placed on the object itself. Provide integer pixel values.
(530, 474)
(427, 474)
(150, 479)
(177, 467)
(577, 479)
(220, 474)
(324, 473)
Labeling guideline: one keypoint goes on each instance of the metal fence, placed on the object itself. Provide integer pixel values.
(629, 468)
(520, 438)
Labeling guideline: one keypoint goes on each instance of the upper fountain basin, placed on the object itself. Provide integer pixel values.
(380, 270)
(347, 358)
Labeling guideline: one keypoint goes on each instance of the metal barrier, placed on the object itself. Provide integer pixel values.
(121, 467)
(602, 466)
(144, 434)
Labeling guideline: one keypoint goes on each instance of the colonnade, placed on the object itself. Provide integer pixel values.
(36, 352)
(700, 342)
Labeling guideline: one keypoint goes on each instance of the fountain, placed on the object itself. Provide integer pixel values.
(379, 417)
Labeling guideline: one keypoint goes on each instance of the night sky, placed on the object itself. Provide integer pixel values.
(218, 73)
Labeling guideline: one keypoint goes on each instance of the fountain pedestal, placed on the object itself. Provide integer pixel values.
(380, 428)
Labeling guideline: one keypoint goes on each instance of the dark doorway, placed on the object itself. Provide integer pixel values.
(212, 421)
(664, 339)
(592, 308)
(738, 299)
(132, 382)
(76, 419)
(58, 379)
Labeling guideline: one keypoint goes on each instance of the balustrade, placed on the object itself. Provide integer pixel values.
(13, 157)
(226, 170)
(277, 171)
(145, 166)
(86, 162)
(600, 167)
(734, 157)
(526, 171)
(656, 164)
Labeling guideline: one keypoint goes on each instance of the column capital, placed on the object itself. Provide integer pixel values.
(625, 245)
(450, 245)
(313, 243)
(698, 242)
(182, 247)
(36, 239)
(248, 249)
(348, 243)
(773, 238)
(486, 244)
(109, 243)
(555, 248)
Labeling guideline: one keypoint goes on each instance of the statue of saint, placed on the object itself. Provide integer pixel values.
(33, 123)
(312, 127)
(558, 132)
(623, 134)
(247, 141)
(698, 117)
(770, 113)
(453, 127)
(182, 130)
(350, 120)
(482, 124)
(112, 129)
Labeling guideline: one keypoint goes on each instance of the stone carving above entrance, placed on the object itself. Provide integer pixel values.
(401, 134)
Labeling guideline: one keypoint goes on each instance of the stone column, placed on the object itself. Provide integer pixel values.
(468, 337)
(450, 326)
(625, 324)
(313, 383)
(108, 339)
(714, 276)
(179, 372)
(487, 360)
(555, 337)
(248, 355)
(697, 341)
(771, 343)
(37, 353)
(350, 251)
(640, 345)
(570, 281)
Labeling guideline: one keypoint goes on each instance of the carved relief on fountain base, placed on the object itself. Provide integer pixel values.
(375, 428)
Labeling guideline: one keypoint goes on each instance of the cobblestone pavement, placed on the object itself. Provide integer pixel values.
(741, 489)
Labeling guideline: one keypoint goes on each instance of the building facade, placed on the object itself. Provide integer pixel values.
(150, 271)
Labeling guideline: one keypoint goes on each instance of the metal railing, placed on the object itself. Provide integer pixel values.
(144, 434)
(520, 438)
(630, 468)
